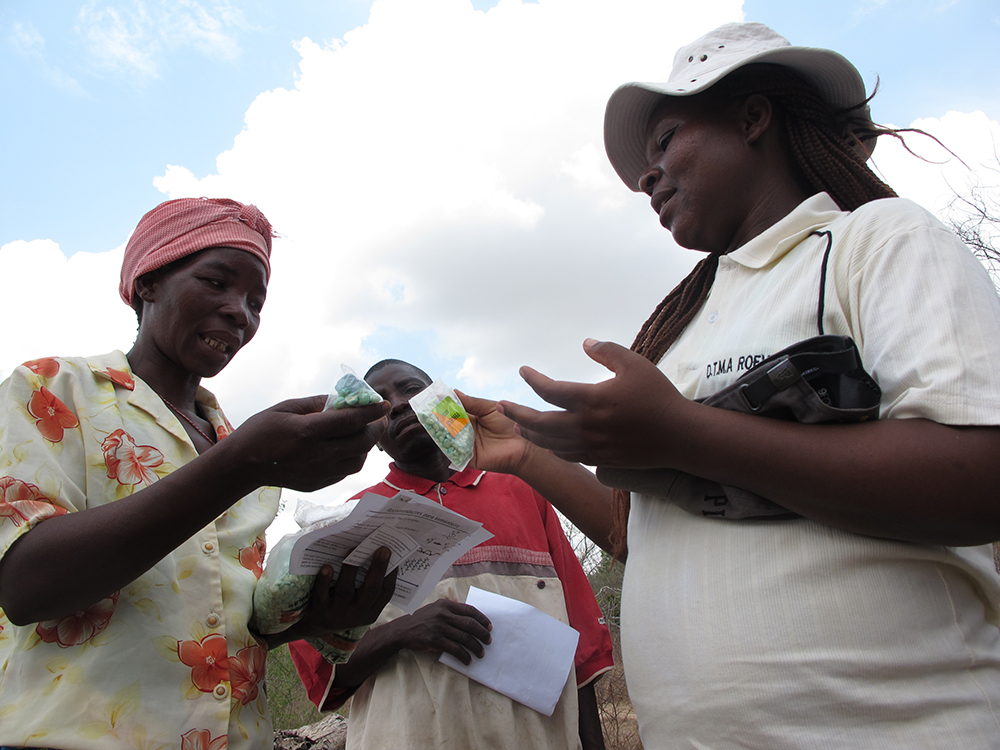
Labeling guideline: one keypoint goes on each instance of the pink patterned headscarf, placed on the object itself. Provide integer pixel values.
(178, 228)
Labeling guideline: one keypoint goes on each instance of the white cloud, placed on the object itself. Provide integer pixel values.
(589, 172)
(208, 31)
(933, 180)
(59, 305)
(119, 39)
(456, 158)
(132, 36)
(177, 182)
(25, 40)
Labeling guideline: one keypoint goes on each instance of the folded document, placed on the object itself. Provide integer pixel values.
(424, 538)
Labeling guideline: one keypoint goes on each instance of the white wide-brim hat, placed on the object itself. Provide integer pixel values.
(705, 61)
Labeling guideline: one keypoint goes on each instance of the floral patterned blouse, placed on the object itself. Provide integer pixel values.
(168, 661)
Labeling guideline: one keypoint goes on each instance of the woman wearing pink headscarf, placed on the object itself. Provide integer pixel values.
(132, 533)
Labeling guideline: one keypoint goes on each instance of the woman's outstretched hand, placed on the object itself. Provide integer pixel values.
(514, 439)
(498, 447)
(296, 444)
(635, 419)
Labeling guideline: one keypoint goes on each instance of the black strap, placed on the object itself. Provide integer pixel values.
(822, 280)
(788, 369)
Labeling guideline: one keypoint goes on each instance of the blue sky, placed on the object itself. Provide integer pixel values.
(435, 167)
(932, 55)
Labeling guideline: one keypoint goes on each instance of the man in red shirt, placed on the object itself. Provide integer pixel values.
(403, 697)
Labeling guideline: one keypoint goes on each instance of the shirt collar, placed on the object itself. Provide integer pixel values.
(813, 213)
(400, 480)
(115, 367)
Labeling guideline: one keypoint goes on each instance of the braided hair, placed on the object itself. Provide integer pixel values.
(828, 154)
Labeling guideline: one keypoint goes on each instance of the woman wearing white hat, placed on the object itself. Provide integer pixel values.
(864, 614)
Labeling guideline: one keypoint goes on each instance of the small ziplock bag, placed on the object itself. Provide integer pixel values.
(351, 390)
(441, 413)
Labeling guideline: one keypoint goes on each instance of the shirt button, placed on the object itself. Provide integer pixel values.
(541, 584)
(712, 317)
(208, 548)
(213, 620)
(221, 691)
(444, 490)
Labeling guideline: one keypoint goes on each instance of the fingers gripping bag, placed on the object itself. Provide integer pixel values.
(441, 413)
(351, 390)
(280, 597)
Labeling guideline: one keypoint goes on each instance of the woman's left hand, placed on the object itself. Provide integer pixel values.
(634, 419)
(341, 606)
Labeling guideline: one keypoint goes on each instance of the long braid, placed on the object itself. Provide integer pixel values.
(667, 322)
(826, 147)
(676, 310)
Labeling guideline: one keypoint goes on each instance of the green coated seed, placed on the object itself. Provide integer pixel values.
(458, 447)
(353, 391)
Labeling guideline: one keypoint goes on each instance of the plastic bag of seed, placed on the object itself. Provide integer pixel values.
(280, 597)
(441, 413)
(351, 390)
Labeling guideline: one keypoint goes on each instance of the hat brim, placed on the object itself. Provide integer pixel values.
(630, 106)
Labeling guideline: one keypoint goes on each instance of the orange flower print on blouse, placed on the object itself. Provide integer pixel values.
(130, 463)
(20, 502)
(201, 739)
(15, 491)
(47, 367)
(80, 627)
(225, 429)
(252, 558)
(121, 377)
(208, 659)
(52, 415)
(247, 671)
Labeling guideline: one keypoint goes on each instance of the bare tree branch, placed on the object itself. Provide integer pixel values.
(974, 215)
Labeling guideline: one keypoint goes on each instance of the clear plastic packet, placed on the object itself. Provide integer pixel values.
(351, 390)
(280, 597)
(441, 413)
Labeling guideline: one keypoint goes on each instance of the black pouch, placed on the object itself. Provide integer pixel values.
(817, 380)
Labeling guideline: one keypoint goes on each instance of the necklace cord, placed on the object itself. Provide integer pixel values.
(188, 419)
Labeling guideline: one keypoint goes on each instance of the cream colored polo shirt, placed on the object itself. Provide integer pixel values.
(793, 634)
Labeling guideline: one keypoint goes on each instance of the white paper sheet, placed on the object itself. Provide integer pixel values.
(531, 654)
(424, 538)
